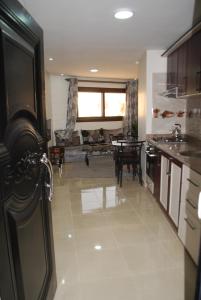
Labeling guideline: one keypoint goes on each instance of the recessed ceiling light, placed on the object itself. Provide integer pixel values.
(62, 74)
(98, 247)
(137, 62)
(51, 58)
(123, 14)
(94, 70)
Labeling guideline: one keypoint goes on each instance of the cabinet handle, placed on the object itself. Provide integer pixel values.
(189, 224)
(198, 79)
(168, 167)
(193, 183)
(194, 206)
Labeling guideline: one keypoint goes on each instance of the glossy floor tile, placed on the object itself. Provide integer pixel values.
(115, 243)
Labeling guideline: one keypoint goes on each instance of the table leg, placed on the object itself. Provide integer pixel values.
(87, 160)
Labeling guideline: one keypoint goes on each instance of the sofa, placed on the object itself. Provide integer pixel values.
(86, 141)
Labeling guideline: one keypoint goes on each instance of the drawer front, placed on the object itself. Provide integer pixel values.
(192, 177)
(189, 232)
(191, 187)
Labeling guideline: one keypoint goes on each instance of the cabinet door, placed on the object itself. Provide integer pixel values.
(194, 64)
(174, 200)
(172, 70)
(164, 181)
(182, 69)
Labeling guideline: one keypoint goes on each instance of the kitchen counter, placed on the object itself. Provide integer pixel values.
(174, 149)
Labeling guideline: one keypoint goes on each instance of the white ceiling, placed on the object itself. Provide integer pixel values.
(80, 34)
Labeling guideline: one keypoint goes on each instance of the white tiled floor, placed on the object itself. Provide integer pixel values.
(114, 244)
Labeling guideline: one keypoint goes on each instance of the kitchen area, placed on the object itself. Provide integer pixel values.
(173, 153)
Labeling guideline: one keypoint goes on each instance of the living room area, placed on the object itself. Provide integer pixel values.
(91, 113)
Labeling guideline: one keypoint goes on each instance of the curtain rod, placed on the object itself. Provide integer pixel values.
(97, 81)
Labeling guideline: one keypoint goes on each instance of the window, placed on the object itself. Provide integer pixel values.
(101, 104)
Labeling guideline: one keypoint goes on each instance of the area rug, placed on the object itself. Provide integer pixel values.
(99, 167)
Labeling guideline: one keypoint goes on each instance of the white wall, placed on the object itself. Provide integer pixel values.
(150, 63)
(142, 97)
(58, 91)
(142, 108)
(155, 64)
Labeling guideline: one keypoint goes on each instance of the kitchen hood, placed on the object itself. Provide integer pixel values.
(170, 93)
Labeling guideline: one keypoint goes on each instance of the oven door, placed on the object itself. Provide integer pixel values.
(151, 159)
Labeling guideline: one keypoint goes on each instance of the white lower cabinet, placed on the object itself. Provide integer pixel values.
(175, 188)
(164, 181)
(170, 187)
(189, 225)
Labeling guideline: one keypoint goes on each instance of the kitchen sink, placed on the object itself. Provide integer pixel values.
(191, 153)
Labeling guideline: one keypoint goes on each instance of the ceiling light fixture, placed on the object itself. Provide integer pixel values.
(51, 58)
(62, 74)
(123, 14)
(137, 62)
(98, 247)
(94, 70)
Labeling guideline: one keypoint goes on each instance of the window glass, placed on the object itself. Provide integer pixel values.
(89, 104)
(115, 104)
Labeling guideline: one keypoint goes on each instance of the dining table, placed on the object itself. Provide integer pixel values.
(122, 146)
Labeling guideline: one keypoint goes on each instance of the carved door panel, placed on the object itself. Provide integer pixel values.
(26, 242)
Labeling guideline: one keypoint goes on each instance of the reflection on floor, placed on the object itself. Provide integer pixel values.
(115, 244)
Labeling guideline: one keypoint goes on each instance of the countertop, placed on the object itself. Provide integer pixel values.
(174, 149)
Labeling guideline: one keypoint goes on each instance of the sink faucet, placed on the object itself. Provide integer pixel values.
(176, 131)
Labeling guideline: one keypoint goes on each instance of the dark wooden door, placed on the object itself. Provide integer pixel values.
(194, 64)
(27, 267)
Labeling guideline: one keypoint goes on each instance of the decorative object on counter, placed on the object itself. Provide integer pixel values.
(176, 130)
(167, 114)
(156, 112)
(180, 114)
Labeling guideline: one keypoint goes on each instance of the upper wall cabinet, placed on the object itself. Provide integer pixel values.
(172, 70)
(194, 64)
(184, 65)
(182, 69)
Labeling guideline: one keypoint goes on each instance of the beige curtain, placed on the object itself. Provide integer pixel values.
(71, 107)
(130, 120)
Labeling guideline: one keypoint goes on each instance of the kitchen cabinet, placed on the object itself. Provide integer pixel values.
(194, 64)
(189, 225)
(164, 181)
(170, 187)
(174, 199)
(182, 69)
(172, 70)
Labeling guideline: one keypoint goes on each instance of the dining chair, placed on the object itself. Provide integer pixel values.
(129, 155)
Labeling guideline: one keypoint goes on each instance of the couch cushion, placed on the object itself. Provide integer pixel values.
(90, 136)
(109, 133)
(60, 137)
(61, 140)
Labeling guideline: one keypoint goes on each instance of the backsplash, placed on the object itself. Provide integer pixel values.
(193, 117)
(166, 111)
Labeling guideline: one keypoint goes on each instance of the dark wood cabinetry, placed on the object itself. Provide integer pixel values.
(172, 70)
(182, 69)
(194, 64)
